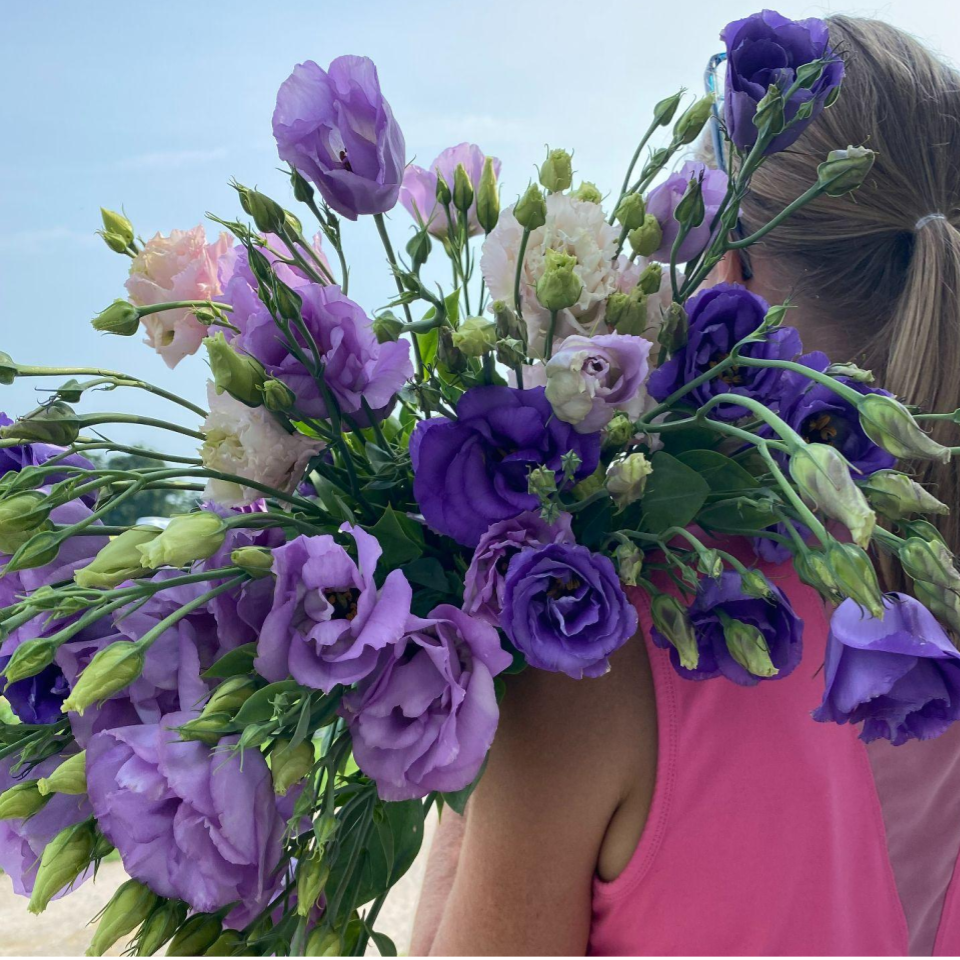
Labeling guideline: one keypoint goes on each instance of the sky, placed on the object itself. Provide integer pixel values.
(155, 106)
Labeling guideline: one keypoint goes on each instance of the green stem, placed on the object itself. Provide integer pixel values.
(624, 190)
(551, 330)
(811, 194)
(93, 419)
(391, 256)
(805, 513)
(180, 305)
(516, 283)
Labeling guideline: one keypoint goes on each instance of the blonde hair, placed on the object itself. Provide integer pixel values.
(877, 260)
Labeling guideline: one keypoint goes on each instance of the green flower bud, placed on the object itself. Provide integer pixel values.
(629, 559)
(236, 373)
(228, 944)
(531, 209)
(488, 197)
(462, 189)
(647, 237)
(931, 561)
(748, 646)
(814, 570)
(447, 353)
(475, 336)
(121, 318)
(943, 604)
(323, 942)
(195, 936)
(39, 550)
(444, 196)
(29, 659)
(267, 214)
(693, 119)
(627, 312)
(110, 671)
(844, 170)
(674, 328)
(889, 424)
(69, 778)
(671, 620)
(755, 584)
(664, 111)
(855, 577)
(897, 496)
(823, 476)
(126, 910)
(229, 696)
(690, 211)
(542, 483)
(312, 876)
(556, 173)
(559, 286)
(118, 226)
(22, 800)
(160, 926)
(651, 278)
(114, 241)
(588, 486)
(277, 396)
(631, 211)
(418, 249)
(64, 858)
(257, 561)
(769, 118)
(187, 538)
(851, 371)
(21, 516)
(627, 478)
(289, 766)
(710, 563)
(511, 353)
(656, 162)
(8, 369)
(210, 728)
(302, 191)
(386, 327)
(55, 423)
(618, 432)
(119, 560)
(588, 192)
(508, 323)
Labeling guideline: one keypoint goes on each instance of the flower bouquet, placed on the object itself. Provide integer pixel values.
(256, 701)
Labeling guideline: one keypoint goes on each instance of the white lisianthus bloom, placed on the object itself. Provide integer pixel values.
(250, 442)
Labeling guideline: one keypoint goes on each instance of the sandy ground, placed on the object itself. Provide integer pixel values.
(63, 931)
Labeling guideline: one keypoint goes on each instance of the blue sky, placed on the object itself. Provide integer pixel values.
(154, 106)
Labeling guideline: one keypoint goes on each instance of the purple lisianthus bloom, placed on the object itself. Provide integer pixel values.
(720, 317)
(22, 841)
(425, 718)
(337, 129)
(589, 379)
(565, 610)
(486, 576)
(419, 191)
(329, 621)
(662, 203)
(723, 598)
(900, 675)
(472, 471)
(191, 822)
(767, 49)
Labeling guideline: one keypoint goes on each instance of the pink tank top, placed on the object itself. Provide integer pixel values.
(765, 835)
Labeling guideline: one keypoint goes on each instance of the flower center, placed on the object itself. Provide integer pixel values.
(820, 429)
(562, 588)
(344, 603)
(345, 161)
(731, 375)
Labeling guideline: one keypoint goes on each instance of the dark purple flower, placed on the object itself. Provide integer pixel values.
(565, 610)
(329, 621)
(767, 48)
(425, 718)
(662, 203)
(899, 675)
(721, 599)
(472, 471)
(192, 822)
(720, 317)
(337, 129)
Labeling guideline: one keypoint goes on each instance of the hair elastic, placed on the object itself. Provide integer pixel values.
(923, 221)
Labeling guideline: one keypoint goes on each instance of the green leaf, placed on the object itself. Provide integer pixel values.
(452, 303)
(737, 515)
(721, 473)
(427, 572)
(384, 944)
(689, 438)
(673, 495)
(259, 707)
(237, 662)
(428, 345)
(457, 800)
(400, 537)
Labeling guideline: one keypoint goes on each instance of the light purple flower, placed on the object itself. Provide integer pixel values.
(329, 621)
(486, 577)
(192, 822)
(419, 191)
(425, 719)
(337, 129)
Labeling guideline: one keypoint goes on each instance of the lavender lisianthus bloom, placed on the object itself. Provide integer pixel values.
(337, 129)
(189, 821)
(419, 191)
(767, 48)
(472, 471)
(722, 598)
(720, 317)
(486, 576)
(328, 621)
(565, 610)
(900, 675)
(662, 203)
(425, 718)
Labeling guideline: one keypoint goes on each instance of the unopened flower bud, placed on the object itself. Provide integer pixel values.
(931, 561)
(851, 371)
(627, 312)
(664, 111)
(463, 192)
(29, 659)
(542, 483)
(312, 876)
(289, 766)
(21, 516)
(121, 318)
(230, 943)
(113, 669)
(670, 619)
(120, 559)
(236, 373)
(942, 603)
(627, 478)
(229, 696)
(69, 778)
(897, 496)
(114, 241)
(754, 584)
(267, 214)
(256, 561)
(277, 396)
(631, 211)
(488, 197)
(189, 537)
(22, 800)
(509, 325)
(444, 196)
(889, 424)
(588, 192)
(8, 369)
(855, 577)
(64, 858)
(650, 278)
(748, 646)
(769, 118)
(302, 191)
(531, 209)
(126, 910)
(160, 926)
(692, 120)
(418, 249)
(814, 570)
(556, 173)
(656, 162)
(559, 286)
(618, 432)
(118, 225)
(844, 170)
(475, 336)
(690, 211)
(55, 423)
(647, 237)
(510, 352)
(195, 936)
(323, 942)
(447, 353)
(629, 559)
(674, 328)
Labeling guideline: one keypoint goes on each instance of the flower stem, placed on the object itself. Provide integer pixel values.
(516, 283)
(391, 256)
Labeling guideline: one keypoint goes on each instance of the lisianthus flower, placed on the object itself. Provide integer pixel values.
(425, 718)
(662, 203)
(574, 227)
(191, 822)
(419, 191)
(250, 442)
(337, 129)
(565, 610)
(182, 266)
(486, 576)
(472, 471)
(899, 676)
(329, 621)
(767, 48)
(723, 599)
(720, 317)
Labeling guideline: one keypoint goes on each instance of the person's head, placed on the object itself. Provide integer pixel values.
(876, 274)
